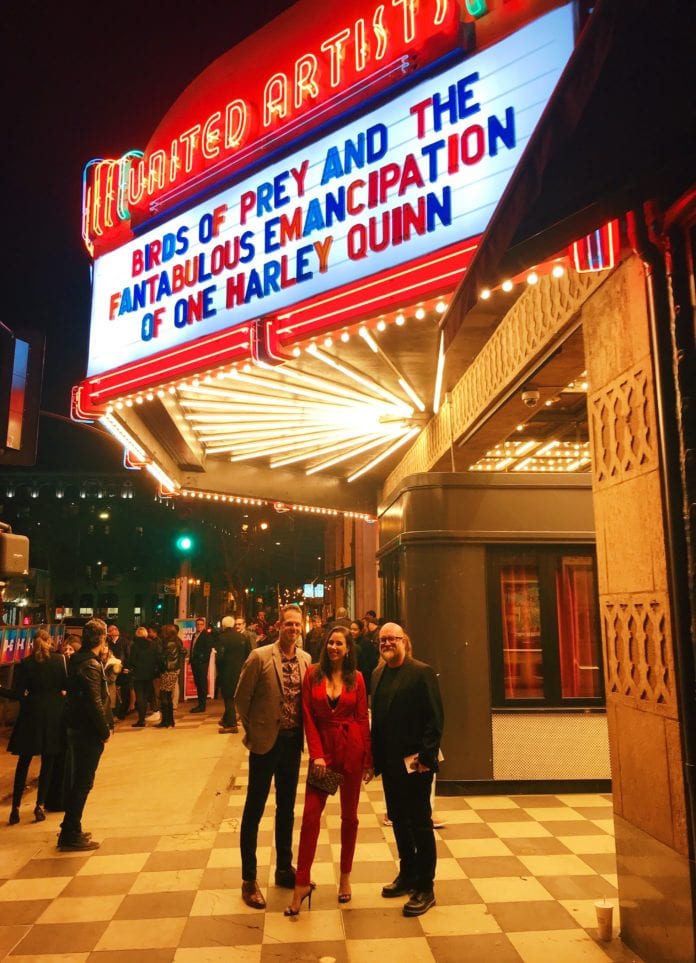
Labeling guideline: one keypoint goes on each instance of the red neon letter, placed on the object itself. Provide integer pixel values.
(236, 123)
(275, 98)
(189, 138)
(210, 141)
(335, 47)
(306, 86)
(409, 18)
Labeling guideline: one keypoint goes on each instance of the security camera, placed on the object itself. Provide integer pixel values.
(530, 398)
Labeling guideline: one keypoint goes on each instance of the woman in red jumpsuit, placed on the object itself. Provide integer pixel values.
(334, 703)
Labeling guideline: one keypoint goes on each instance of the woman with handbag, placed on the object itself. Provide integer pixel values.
(334, 706)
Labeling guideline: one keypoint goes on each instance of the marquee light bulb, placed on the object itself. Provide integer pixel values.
(485, 294)
(345, 337)
(507, 285)
(381, 325)
(441, 307)
(400, 320)
(558, 270)
(532, 277)
(296, 352)
(420, 314)
(328, 342)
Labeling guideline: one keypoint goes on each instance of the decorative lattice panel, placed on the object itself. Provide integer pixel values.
(549, 746)
(622, 428)
(637, 654)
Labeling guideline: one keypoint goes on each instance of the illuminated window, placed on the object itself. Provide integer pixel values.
(545, 643)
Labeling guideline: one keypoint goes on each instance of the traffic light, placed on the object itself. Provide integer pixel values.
(185, 543)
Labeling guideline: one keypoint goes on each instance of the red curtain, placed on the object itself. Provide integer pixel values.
(577, 628)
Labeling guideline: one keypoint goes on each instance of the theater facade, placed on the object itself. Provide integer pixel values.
(426, 268)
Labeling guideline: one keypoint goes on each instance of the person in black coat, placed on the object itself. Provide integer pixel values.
(40, 685)
(407, 721)
(232, 650)
(88, 714)
(144, 663)
(201, 647)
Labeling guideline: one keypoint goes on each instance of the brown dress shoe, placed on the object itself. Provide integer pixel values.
(252, 895)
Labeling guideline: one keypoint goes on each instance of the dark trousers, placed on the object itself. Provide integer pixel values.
(123, 691)
(143, 688)
(85, 752)
(315, 801)
(20, 778)
(167, 707)
(200, 678)
(229, 717)
(408, 806)
(282, 764)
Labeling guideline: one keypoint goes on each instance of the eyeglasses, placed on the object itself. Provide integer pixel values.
(390, 638)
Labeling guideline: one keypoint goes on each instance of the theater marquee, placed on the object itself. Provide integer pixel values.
(419, 174)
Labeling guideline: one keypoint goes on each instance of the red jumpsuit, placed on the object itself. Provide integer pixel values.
(341, 737)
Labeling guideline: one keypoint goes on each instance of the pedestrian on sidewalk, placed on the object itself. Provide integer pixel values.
(39, 685)
(199, 659)
(172, 658)
(268, 699)
(88, 713)
(407, 720)
(232, 649)
(144, 666)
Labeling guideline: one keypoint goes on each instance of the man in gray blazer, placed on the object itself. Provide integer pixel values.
(269, 702)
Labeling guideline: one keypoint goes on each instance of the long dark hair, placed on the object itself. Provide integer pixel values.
(323, 668)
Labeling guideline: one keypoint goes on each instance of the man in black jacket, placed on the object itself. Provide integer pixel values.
(87, 714)
(407, 720)
(232, 650)
(201, 647)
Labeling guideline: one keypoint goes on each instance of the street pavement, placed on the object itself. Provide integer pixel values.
(170, 781)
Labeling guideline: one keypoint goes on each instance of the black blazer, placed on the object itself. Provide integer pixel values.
(411, 721)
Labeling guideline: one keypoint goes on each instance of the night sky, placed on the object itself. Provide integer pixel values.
(85, 80)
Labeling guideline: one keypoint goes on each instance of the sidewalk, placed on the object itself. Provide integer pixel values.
(516, 883)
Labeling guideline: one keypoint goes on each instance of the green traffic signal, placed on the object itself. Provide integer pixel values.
(184, 544)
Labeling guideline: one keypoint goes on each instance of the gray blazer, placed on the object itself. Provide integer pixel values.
(259, 696)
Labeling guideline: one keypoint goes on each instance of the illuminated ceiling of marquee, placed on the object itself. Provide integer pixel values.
(329, 424)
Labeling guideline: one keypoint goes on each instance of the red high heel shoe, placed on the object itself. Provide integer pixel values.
(294, 913)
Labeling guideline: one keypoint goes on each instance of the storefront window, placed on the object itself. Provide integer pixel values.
(522, 653)
(545, 647)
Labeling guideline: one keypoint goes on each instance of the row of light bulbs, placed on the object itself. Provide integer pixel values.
(532, 278)
(328, 342)
(241, 500)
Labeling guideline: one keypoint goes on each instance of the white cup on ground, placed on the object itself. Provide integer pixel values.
(604, 912)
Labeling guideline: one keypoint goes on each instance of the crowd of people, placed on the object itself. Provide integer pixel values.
(285, 690)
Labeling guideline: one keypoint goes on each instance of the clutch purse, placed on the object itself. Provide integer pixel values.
(328, 782)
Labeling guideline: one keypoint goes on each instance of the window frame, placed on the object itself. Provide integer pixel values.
(546, 559)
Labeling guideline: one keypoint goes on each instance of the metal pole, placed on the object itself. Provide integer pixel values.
(184, 575)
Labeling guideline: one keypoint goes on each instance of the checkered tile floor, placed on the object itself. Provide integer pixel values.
(516, 881)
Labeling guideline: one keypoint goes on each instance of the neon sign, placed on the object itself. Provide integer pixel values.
(414, 176)
(211, 135)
